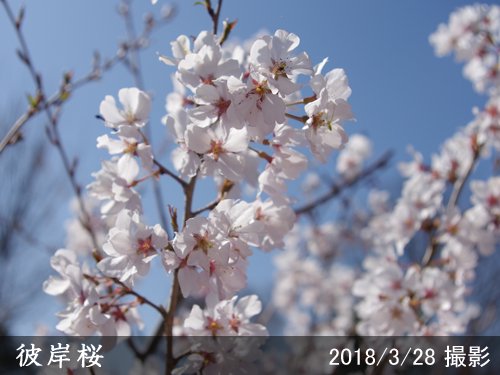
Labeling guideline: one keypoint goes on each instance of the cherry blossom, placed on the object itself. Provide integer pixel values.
(222, 149)
(323, 128)
(114, 189)
(226, 318)
(472, 33)
(88, 309)
(204, 65)
(247, 117)
(131, 245)
(271, 58)
(130, 145)
(351, 158)
(136, 108)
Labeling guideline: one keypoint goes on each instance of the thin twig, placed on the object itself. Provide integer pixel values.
(53, 131)
(460, 183)
(301, 119)
(165, 170)
(142, 299)
(458, 187)
(337, 188)
(189, 193)
(98, 68)
(208, 207)
(214, 14)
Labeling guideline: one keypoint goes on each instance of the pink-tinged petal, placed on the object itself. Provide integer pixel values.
(96, 316)
(319, 67)
(185, 161)
(208, 93)
(183, 244)
(204, 38)
(181, 47)
(273, 109)
(136, 103)
(343, 110)
(197, 139)
(249, 306)
(196, 319)
(170, 261)
(144, 153)
(143, 266)
(144, 107)
(55, 286)
(204, 115)
(251, 329)
(302, 64)
(160, 238)
(259, 53)
(113, 267)
(167, 60)
(114, 146)
(289, 41)
(337, 84)
(234, 85)
(110, 113)
(231, 166)
(123, 329)
(237, 140)
(199, 259)
(109, 249)
(286, 86)
(62, 258)
(128, 168)
(65, 326)
(124, 220)
(130, 133)
(188, 281)
(122, 242)
(228, 68)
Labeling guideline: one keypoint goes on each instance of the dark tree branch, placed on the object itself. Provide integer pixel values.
(339, 187)
(214, 14)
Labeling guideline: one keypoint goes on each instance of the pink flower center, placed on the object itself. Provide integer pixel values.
(202, 241)
(213, 326)
(216, 149)
(222, 106)
(145, 246)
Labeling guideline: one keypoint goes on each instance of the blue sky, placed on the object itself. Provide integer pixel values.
(402, 93)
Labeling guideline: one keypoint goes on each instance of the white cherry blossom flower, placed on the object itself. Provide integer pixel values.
(222, 149)
(204, 65)
(226, 318)
(215, 103)
(323, 128)
(131, 246)
(87, 311)
(277, 220)
(136, 107)
(185, 161)
(130, 144)
(272, 58)
(114, 189)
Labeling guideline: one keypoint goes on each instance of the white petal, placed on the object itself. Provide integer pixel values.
(128, 168)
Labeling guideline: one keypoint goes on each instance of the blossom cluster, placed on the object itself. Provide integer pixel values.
(419, 254)
(245, 118)
(473, 34)
(249, 118)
